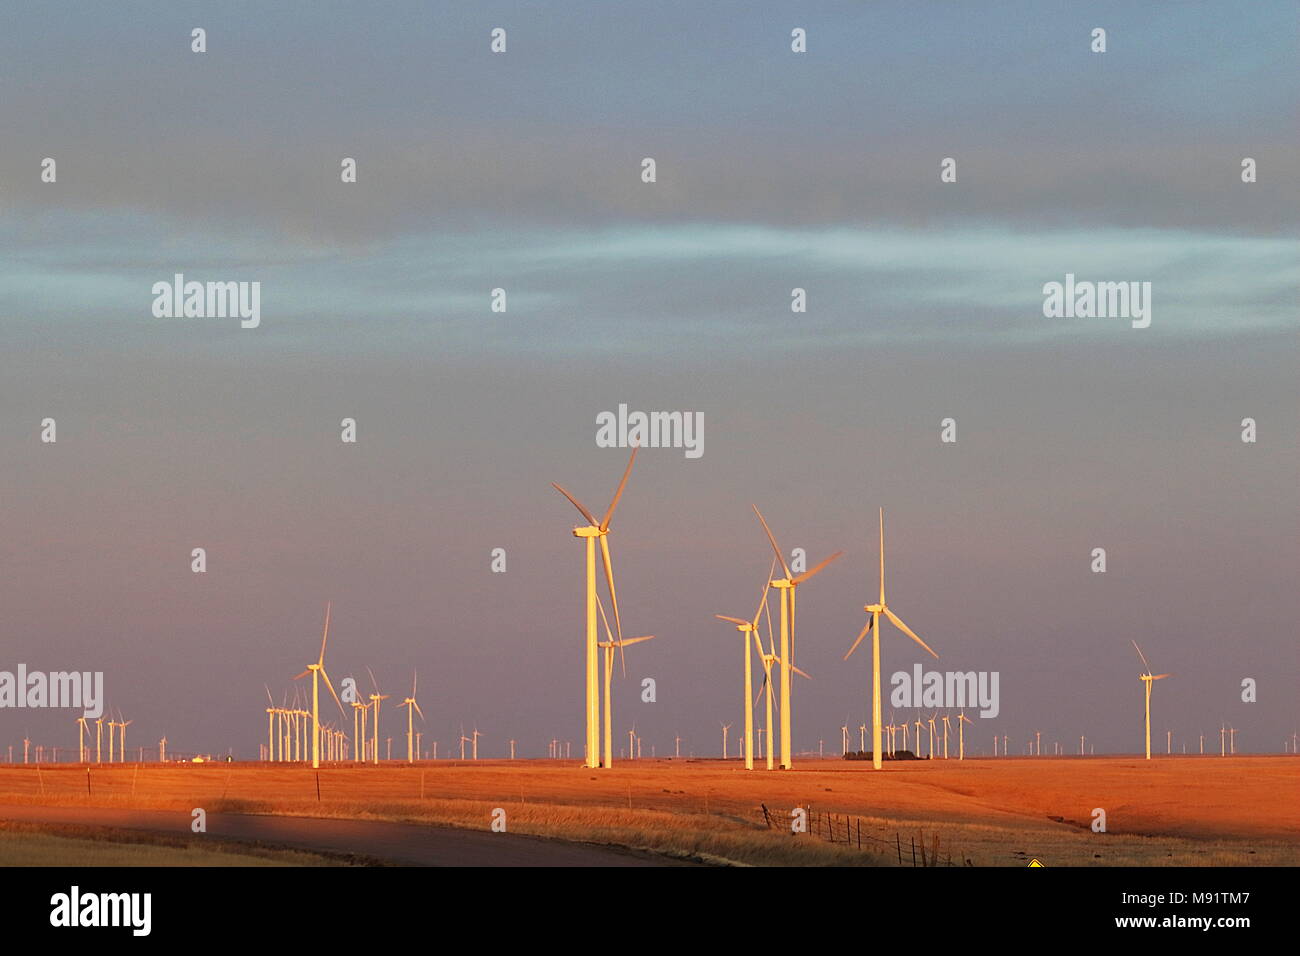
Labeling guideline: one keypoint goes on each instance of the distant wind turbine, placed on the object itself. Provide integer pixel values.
(317, 671)
(1147, 678)
(787, 587)
(873, 625)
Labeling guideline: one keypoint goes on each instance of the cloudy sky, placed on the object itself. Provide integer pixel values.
(775, 170)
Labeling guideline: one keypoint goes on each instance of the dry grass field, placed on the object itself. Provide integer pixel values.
(1182, 811)
(29, 845)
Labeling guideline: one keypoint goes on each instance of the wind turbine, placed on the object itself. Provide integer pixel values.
(316, 671)
(930, 721)
(1232, 739)
(768, 658)
(746, 628)
(475, 743)
(99, 747)
(121, 726)
(608, 646)
(1147, 679)
(961, 734)
(593, 531)
(412, 708)
(725, 728)
(463, 740)
(81, 739)
(375, 698)
(945, 736)
(787, 586)
(873, 625)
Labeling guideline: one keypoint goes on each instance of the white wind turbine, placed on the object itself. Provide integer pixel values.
(787, 586)
(873, 625)
(1147, 679)
(375, 699)
(81, 740)
(412, 708)
(962, 719)
(607, 646)
(747, 628)
(317, 671)
(768, 658)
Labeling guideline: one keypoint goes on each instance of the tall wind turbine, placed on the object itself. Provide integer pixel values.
(597, 530)
(608, 645)
(787, 586)
(1147, 679)
(962, 719)
(412, 708)
(746, 628)
(81, 739)
(375, 698)
(873, 625)
(316, 671)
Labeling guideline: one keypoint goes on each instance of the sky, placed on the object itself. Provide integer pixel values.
(775, 170)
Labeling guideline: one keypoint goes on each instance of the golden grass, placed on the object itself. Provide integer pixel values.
(1172, 811)
(38, 845)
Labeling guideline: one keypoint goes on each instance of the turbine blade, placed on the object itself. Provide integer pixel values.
(302, 675)
(793, 668)
(342, 712)
(733, 620)
(898, 622)
(772, 538)
(374, 683)
(762, 598)
(609, 577)
(882, 555)
(1161, 676)
(418, 710)
(326, 636)
(604, 525)
(807, 574)
(1141, 655)
(576, 503)
(861, 635)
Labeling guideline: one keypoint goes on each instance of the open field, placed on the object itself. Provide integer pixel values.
(1242, 810)
(23, 844)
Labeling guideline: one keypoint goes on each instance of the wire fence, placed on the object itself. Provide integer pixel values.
(855, 833)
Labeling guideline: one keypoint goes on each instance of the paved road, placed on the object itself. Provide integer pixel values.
(402, 843)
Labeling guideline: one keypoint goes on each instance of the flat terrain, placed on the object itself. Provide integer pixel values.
(399, 843)
(1242, 810)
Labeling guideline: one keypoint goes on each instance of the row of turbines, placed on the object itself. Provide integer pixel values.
(781, 656)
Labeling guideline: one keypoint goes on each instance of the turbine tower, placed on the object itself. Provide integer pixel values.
(597, 530)
(787, 586)
(873, 625)
(316, 671)
(412, 708)
(608, 646)
(1147, 678)
(746, 628)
